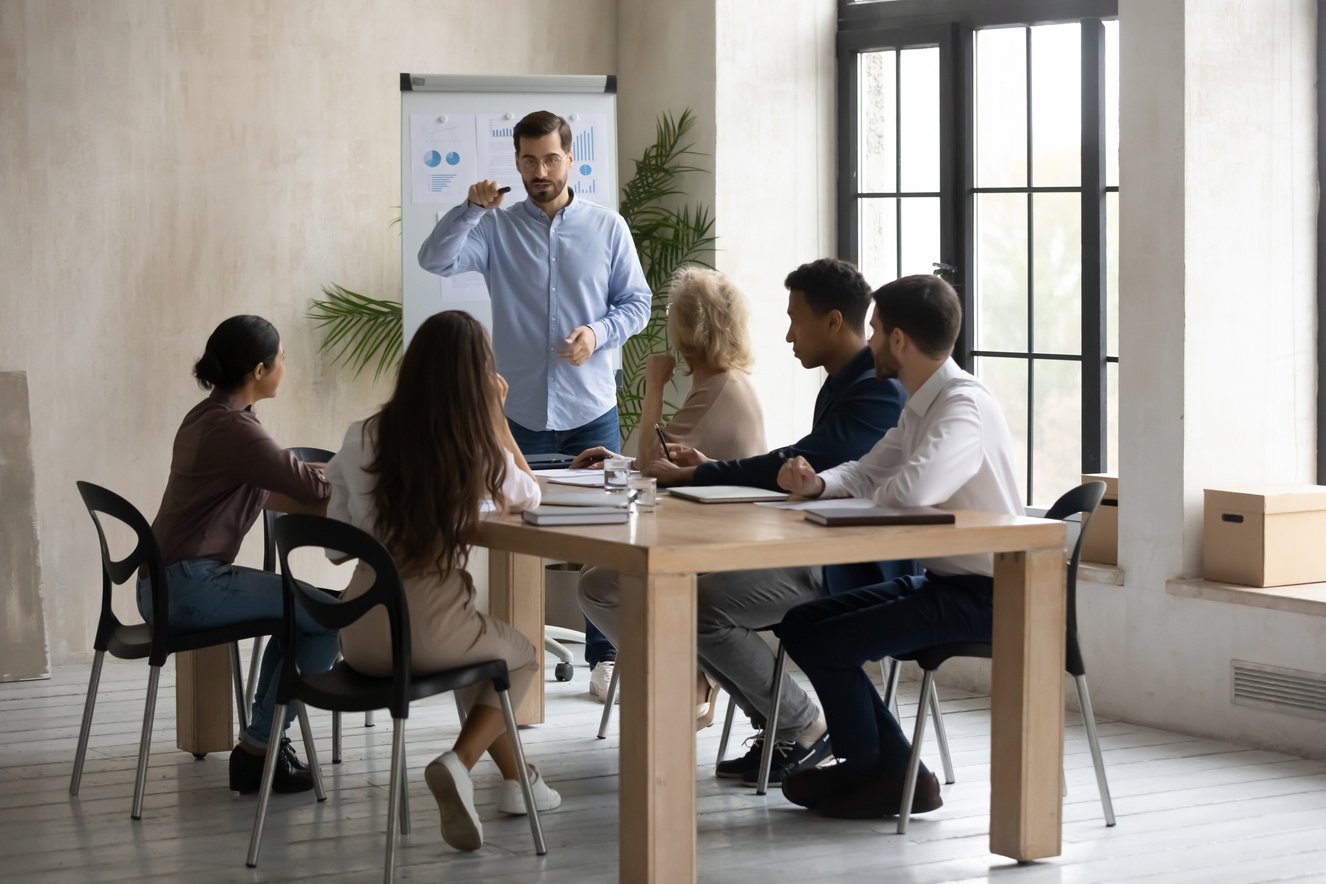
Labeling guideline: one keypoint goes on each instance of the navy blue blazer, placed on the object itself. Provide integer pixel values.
(853, 411)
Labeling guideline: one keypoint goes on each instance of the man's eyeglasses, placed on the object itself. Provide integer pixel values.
(552, 162)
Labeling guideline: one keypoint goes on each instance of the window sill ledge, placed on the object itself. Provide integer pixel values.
(1093, 572)
(1304, 598)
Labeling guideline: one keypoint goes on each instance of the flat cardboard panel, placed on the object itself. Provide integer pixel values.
(1101, 542)
(1269, 498)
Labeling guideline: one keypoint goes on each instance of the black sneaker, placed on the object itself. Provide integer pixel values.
(789, 757)
(292, 775)
(736, 768)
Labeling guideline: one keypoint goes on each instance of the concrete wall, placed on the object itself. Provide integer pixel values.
(22, 631)
(164, 165)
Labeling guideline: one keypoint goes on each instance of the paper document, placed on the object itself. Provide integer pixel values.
(837, 503)
(443, 161)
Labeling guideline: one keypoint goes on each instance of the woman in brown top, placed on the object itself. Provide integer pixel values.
(224, 470)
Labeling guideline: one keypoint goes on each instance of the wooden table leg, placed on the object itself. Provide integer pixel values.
(657, 755)
(1027, 705)
(515, 594)
(203, 710)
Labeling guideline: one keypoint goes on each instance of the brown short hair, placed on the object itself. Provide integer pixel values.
(927, 310)
(539, 124)
(709, 320)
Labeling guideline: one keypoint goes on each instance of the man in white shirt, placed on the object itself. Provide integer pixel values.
(951, 449)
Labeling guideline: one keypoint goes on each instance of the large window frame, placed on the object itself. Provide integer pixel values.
(951, 25)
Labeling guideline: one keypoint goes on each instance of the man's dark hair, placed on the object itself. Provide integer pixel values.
(927, 310)
(539, 124)
(830, 284)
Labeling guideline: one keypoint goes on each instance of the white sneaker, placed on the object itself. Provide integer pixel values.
(450, 783)
(599, 680)
(512, 800)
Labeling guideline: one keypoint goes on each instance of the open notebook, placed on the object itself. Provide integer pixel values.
(725, 493)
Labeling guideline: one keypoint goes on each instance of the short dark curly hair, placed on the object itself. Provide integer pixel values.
(830, 284)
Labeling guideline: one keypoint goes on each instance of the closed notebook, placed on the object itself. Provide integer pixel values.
(598, 498)
(576, 515)
(725, 493)
(880, 515)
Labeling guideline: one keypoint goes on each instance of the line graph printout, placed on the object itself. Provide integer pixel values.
(442, 157)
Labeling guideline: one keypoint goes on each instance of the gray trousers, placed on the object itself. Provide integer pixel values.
(730, 606)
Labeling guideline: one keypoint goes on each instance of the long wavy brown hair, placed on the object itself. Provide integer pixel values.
(438, 456)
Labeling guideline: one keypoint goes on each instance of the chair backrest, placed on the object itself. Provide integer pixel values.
(104, 502)
(296, 531)
(308, 455)
(1083, 499)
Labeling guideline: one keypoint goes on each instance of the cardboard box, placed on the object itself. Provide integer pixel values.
(1265, 535)
(1101, 543)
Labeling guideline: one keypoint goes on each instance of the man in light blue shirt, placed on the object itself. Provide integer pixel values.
(566, 288)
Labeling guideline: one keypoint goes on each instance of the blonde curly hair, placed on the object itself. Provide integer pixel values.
(708, 320)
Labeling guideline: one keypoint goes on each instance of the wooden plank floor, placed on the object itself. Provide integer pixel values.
(1188, 809)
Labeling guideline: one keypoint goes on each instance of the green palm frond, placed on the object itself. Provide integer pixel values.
(359, 330)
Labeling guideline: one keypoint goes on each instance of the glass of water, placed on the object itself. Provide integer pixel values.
(616, 473)
(646, 491)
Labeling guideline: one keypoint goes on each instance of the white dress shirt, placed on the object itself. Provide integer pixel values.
(352, 485)
(951, 449)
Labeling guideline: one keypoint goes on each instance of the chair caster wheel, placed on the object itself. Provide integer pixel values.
(564, 671)
(200, 755)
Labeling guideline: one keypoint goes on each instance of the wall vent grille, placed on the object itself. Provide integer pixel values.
(1294, 691)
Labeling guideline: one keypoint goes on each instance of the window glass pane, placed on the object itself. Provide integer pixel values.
(920, 235)
(878, 118)
(1001, 107)
(1056, 105)
(1112, 416)
(1056, 461)
(879, 240)
(1056, 222)
(1111, 103)
(1112, 274)
(1007, 380)
(919, 119)
(1001, 271)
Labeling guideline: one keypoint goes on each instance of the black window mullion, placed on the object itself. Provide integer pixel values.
(897, 162)
(1031, 287)
(965, 197)
(1095, 452)
(849, 128)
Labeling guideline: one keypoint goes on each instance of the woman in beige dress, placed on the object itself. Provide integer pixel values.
(709, 328)
(416, 476)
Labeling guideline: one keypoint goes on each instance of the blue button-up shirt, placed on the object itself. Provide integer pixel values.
(546, 278)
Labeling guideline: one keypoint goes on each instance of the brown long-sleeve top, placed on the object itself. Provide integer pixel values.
(223, 466)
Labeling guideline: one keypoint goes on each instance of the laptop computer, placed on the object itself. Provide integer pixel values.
(725, 493)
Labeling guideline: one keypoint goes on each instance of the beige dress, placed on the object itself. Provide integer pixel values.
(445, 628)
(721, 417)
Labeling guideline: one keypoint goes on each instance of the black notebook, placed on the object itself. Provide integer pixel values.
(576, 515)
(880, 515)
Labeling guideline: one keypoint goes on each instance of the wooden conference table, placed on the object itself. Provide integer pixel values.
(659, 555)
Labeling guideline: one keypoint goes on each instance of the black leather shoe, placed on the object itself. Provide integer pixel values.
(881, 796)
(291, 775)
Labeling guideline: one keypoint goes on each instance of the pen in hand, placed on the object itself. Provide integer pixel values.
(663, 441)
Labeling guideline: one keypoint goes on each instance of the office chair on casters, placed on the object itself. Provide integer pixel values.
(155, 641)
(342, 689)
(1084, 499)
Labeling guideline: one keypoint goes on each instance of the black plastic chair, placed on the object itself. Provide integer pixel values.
(1083, 499)
(156, 641)
(342, 689)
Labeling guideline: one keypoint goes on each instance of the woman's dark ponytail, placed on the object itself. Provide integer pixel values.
(234, 350)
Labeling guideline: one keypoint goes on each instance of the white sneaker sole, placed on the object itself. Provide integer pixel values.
(460, 821)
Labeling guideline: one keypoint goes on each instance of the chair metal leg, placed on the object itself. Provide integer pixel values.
(727, 727)
(941, 734)
(608, 702)
(531, 809)
(460, 708)
(145, 741)
(914, 762)
(336, 738)
(88, 705)
(394, 801)
(890, 674)
(368, 718)
(235, 669)
(265, 789)
(255, 660)
(310, 749)
(405, 796)
(771, 726)
(1089, 721)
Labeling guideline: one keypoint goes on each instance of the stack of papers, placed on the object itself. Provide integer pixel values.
(585, 478)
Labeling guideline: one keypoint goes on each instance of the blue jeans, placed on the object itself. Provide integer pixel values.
(205, 593)
(832, 637)
(606, 431)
